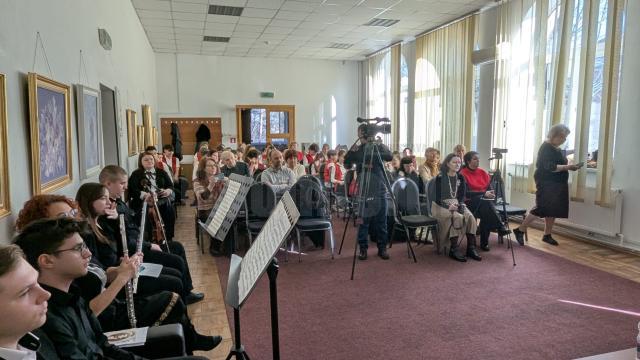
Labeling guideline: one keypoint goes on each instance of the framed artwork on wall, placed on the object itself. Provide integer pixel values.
(5, 205)
(140, 134)
(132, 134)
(89, 118)
(50, 123)
(148, 128)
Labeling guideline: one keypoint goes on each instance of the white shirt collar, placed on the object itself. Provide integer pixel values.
(19, 354)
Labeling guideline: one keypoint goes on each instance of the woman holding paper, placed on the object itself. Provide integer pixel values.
(207, 187)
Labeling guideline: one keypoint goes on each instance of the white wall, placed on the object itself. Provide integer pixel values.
(196, 85)
(66, 27)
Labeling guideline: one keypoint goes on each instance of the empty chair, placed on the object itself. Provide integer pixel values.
(408, 214)
(259, 203)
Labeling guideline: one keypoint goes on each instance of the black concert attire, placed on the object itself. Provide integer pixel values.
(177, 259)
(159, 180)
(552, 188)
(374, 215)
(107, 255)
(156, 309)
(241, 168)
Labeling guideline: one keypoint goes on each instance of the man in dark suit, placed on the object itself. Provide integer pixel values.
(231, 166)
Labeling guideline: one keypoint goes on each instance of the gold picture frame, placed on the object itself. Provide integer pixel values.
(5, 200)
(148, 128)
(50, 126)
(140, 136)
(156, 139)
(132, 134)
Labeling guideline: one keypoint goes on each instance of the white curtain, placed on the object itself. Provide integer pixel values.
(443, 94)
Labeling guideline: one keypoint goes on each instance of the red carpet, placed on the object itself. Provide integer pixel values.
(438, 308)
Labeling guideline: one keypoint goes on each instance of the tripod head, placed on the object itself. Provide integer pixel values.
(369, 128)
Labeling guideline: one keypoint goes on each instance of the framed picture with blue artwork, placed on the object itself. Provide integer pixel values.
(50, 123)
(5, 206)
(90, 150)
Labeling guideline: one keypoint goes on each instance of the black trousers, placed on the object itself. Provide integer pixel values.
(485, 210)
(170, 279)
(158, 309)
(168, 214)
(177, 260)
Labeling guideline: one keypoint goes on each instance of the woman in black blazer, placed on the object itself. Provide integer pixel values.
(147, 179)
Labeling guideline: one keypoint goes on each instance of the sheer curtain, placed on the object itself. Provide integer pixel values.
(444, 85)
(557, 61)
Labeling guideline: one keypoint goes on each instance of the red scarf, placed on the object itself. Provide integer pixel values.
(162, 163)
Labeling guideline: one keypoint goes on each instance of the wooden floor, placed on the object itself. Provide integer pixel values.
(209, 316)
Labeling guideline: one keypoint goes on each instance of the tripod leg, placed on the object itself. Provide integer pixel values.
(355, 252)
(410, 252)
(344, 233)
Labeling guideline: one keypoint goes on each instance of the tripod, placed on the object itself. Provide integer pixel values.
(371, 157)
(496, 178)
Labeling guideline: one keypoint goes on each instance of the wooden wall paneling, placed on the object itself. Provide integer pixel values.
(188, 128)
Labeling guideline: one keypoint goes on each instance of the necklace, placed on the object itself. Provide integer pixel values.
(451, 190)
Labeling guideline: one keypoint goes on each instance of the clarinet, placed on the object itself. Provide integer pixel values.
(139, 243)
(131, 312)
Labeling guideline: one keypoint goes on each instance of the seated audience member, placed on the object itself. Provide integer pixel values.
(407, 152)
(294, 146)
(252, 158)
(231, 166)
(147, 181)
(206, 189)
(100, 286)
(447, 193)
(480, 196)
(333, 175)
(319, 160)
(310, 157)
(393, 166)
(291, 159)
(460, 150)
(114, 179)
(265, 153)
(23, 309)
(278, 176)
(431, 166)
(408, 170)
(56, 250)
(171, 164)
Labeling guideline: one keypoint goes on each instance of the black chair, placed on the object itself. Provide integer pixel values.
(314, 214)
(511, 210)
(259, 203)
(257, 175)
(408, 214)
(351, 201)
(311, 178)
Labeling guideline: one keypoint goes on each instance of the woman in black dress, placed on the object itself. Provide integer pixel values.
(552, 188)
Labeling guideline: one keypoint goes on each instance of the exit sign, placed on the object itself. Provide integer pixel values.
(267, 95)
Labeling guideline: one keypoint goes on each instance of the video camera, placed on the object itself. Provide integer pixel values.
(371, 127)
(497, 153)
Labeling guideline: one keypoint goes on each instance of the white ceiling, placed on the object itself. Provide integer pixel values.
(292, 29)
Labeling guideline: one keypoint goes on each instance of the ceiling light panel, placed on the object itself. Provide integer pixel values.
(216, 39)
(381, 22)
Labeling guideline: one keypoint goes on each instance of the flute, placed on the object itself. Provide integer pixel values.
(131, 312)
(139, 243)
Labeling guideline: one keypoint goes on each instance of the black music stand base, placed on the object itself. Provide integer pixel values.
(272, 272)
(238, 349)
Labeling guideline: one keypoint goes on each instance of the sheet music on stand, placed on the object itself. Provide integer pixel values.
(245, 272)
(227, 206)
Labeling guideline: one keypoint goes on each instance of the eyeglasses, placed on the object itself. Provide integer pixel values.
(70, 214)
(80, 248)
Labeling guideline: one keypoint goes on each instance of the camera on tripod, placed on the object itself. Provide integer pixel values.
(497, 153)
(371, 127)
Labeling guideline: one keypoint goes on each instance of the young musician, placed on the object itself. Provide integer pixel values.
(23, 309)
(54, 247)
(100, 287)
(148, 181)
(114, 178)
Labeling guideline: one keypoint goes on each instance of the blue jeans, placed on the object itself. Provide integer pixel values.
(375, 216)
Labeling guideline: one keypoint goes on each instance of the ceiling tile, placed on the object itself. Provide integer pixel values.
(156, 22)
(239, 40)
(313, 25)
(325, 18)
(222, 19)
(159, 29)
(191, 31)
(284, 23)
(222, 33)
(249, 28)
(154, 14)
(239, 3)
(304, 31)
(379, 4)
(188, 37)
(188, 24)
(247, 34)
(265, 4)
(273, 36)
(160, 36)
(208, 45)
(254, 21)
(188, 16)
(152, 5)
(259, 13)
(299, 6)
(292, 15)
(334, 9)
(277, 30)
(189, 7)
(218, 26)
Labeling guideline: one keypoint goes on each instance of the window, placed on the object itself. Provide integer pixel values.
(404, 102)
